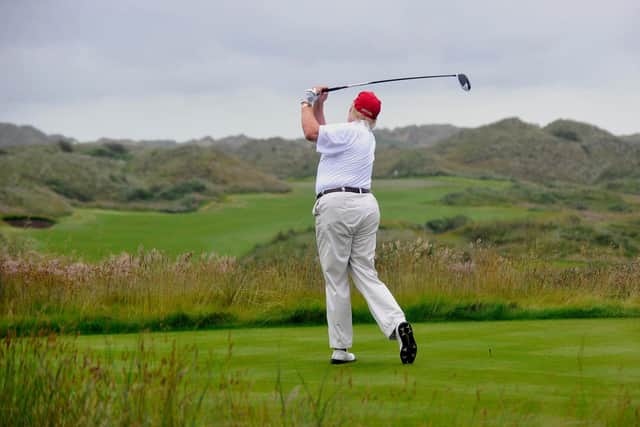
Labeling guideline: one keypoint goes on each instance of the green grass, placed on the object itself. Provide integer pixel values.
(235, 226)
(529, 372)
(524, 373)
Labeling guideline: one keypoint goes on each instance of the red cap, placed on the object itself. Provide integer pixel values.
(367, 104)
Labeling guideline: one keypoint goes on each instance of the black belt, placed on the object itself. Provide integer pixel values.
(343, 189)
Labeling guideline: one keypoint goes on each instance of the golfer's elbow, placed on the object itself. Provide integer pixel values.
(310, 126)
(311, 135)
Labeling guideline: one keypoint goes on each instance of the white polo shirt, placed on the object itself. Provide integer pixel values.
(347, 154)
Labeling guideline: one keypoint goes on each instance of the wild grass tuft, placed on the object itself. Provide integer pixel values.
(48, 380)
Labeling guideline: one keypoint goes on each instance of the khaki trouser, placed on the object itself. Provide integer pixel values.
(346, 226)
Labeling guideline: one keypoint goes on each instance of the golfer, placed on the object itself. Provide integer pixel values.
(347, 218)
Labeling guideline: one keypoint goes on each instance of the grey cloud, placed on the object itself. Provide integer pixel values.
(64, 52)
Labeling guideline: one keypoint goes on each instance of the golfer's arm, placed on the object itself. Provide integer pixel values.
(310, 125)
(318, 112)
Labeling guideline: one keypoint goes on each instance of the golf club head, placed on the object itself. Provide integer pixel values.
(464, 82)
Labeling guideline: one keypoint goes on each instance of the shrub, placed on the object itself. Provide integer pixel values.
(186, 204)
(566, 134)
(116, 148)
(70, 190)
(112, 150)
(65, 146)
(503, 232)
(139, 194)
(447, 224)
(620, 207)
(631, 186)
(533, 195)
(475, 197)
(182, 189)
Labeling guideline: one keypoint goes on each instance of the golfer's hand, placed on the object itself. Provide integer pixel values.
(323, 95)
(310, 96)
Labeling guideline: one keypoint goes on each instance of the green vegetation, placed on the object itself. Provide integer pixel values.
(566, 196)
(112, 150)
(447, 248)
(398, 154)
(279, 157)
(528, 373)
(564, 151)
(238, 224)
(415, 136)
(46, 179)
(446, 224)
(549, 242)
(562, 222)
(630, 186)
(52, 180)
(153, 291)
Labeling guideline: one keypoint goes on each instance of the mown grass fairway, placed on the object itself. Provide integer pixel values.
(524, 373)
(237, 225)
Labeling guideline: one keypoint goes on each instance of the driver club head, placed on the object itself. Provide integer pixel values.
(464, 82)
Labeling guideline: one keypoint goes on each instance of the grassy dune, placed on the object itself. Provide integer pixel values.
(49, 180)
(530, 373)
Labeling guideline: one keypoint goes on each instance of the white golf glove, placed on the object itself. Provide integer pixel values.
(309, 96)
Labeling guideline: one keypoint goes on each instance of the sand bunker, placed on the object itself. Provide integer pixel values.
(28, 222)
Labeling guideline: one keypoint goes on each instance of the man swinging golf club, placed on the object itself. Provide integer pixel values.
(347, 218)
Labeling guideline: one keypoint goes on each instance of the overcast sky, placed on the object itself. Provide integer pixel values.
(185, 69)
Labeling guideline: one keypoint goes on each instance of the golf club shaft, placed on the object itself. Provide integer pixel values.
(332, 89)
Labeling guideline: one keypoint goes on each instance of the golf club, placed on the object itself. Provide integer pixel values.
(462, 79)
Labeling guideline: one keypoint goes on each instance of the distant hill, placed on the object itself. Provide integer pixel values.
(415, 136)
(635, 138)
(13, 135)
(228, 142)
(44, 174)
(151, 143)
(562, 151)
(283, 158)
(50, 179)
(44, 180)
(189, 162)
(298, 158)
(397, 162)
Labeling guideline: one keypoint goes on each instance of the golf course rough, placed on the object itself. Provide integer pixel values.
(517, 373)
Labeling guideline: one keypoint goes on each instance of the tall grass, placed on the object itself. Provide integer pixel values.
(47, 381)
(150, 290)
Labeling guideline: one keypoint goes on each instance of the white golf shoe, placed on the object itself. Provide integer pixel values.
(408, 346)
(342, 356)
